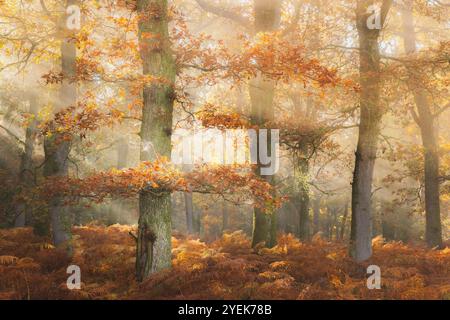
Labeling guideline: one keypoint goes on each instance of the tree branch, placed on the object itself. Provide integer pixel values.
(44, 7)
(12, 134)
(414, 115)
(221, 12)
(441, 110)
(385, 7)
(133, 236)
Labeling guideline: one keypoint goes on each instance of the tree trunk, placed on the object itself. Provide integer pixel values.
(387, 229)
(225, 217)
(344, 222)
(56, 149)
(328, 223)
(154, 235)
(291, 221)
(316, 215)
(283, 218)
(118, 206)
(26, 175)
(262, 90)
(369, 129)
(426, 122)
(122, 154)
(154, 230)
(301, 171)
(334, 226)
(197, 222)
(189, 207)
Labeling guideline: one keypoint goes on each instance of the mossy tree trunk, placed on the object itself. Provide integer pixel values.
(262, 90)
(153, 251)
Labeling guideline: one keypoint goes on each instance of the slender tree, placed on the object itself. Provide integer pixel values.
(426, 120)
(344, 222)
(26, 173)
(316, 214)
(225, 216)
(371, 113)
(118, 206)
(189, 208)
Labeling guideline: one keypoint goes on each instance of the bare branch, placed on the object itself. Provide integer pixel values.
(44, 7)
(414, 114)
(441, 110)
(133, 236)
(221, 12)
(385, 7)
(12, 135)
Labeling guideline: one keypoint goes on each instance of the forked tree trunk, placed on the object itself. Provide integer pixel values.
(56, 149)
(426, 121)
(262, 90)
(154, 230)
(369, 129)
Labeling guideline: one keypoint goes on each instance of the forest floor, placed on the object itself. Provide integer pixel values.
(228, 268)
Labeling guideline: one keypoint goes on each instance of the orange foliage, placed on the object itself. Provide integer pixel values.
(238, 183)
(228, 268)
(213, 116)
(75, 121)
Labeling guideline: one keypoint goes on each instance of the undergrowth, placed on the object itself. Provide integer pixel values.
(31, 268)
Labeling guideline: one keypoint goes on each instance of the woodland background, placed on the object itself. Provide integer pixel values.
(88, 119)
